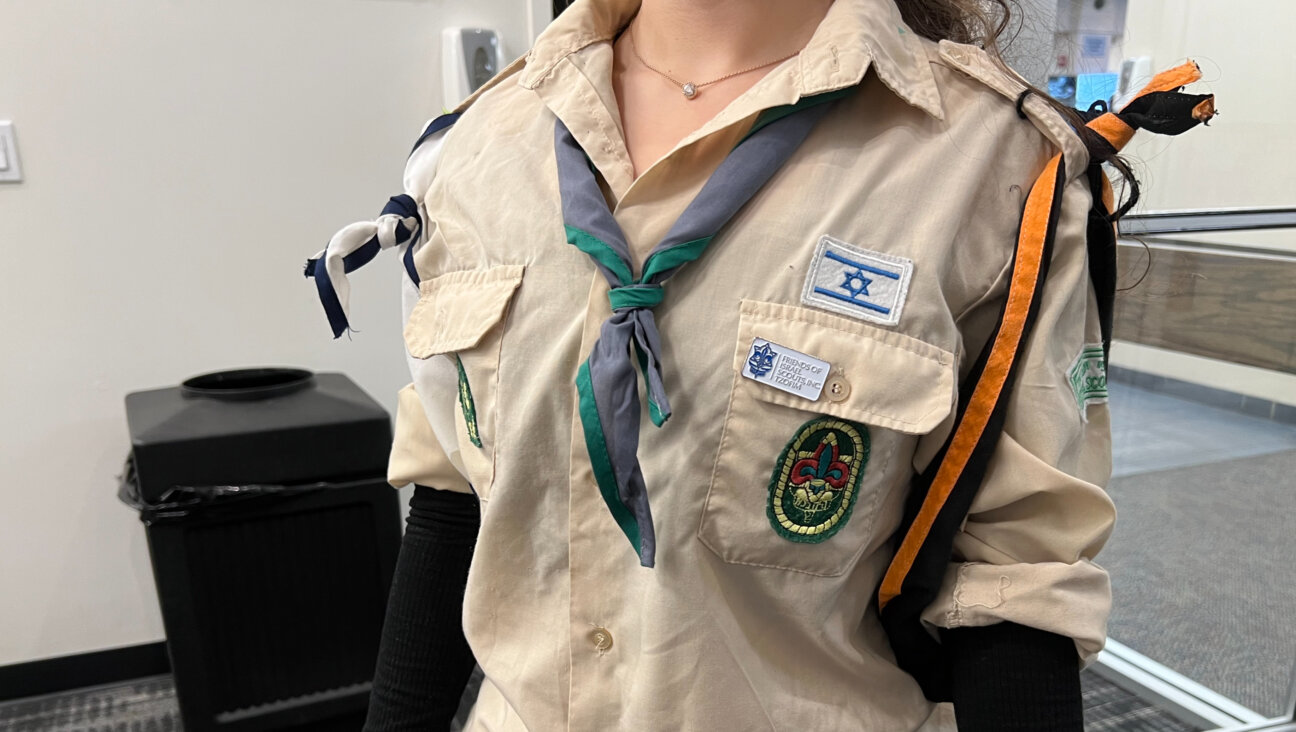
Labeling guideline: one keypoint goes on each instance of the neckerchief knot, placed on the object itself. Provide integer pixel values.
(635, 296)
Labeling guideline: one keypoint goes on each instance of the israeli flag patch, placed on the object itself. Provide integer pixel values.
(857, 282)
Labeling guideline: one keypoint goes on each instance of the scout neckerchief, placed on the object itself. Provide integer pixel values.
(940, 498)
(607, 382)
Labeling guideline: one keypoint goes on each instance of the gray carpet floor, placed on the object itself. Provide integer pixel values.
(1153, 431)
(143, 705)
(1109, 708)
(149, 705)
(1203, 557)
(1202, 565)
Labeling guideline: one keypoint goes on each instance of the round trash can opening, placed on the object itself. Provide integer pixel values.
(248, 384)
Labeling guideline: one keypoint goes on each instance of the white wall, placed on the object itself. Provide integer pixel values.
(1089, 16)
(1245, 52)
(182, 159)
(1242, 160)
(1079, 18)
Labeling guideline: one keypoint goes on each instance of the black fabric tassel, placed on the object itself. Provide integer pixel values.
(1168, 113)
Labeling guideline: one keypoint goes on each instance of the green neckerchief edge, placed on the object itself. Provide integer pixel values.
(596, 444)
(674, 256)
(773, 114)
(635, 297)
(601, 251)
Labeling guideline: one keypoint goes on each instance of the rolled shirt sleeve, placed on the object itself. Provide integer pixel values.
(1025, 553)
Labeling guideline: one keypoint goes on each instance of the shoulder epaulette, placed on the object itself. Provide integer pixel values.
(977, 64)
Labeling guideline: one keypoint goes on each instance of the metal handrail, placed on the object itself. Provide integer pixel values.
(1199, 221)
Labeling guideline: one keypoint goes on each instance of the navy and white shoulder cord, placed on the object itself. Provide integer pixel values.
(400, 225)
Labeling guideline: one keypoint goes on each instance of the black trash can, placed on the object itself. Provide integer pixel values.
(273, 536)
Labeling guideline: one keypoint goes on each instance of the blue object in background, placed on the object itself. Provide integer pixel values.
(1062, 88)
(1093, 87)
(1095, 48)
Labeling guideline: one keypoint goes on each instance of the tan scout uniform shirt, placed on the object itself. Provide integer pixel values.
(738, 628)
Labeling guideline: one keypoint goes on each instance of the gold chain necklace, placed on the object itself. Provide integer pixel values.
(690, 88)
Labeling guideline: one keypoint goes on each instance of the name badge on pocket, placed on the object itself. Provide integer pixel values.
(785, 369)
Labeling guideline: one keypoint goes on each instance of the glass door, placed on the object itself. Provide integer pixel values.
(1202, 379)
(1203, 383)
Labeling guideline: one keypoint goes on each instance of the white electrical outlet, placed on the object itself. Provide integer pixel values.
(10, 170)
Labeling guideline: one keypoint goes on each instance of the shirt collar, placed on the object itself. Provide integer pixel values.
(852, 34)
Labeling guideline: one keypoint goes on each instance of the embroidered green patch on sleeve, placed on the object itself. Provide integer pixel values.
(467, 405)
(816, 481)
(1088, 378)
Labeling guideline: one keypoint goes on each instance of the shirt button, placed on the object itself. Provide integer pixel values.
(837, 389)
(602, 639)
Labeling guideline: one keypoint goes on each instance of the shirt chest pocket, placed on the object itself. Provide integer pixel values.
(797, 481)
(460, 316)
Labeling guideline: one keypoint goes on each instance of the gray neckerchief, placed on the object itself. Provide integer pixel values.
(606, 382)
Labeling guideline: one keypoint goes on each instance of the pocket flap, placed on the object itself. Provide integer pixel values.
(876, 375)
(455, 310)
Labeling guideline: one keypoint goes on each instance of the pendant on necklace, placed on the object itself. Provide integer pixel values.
(689, 90)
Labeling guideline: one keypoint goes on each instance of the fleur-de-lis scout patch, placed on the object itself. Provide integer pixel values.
(857, 282)
(816, 481)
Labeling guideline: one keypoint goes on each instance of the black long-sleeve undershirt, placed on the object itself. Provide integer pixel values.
(1011, 678)
(423, 660)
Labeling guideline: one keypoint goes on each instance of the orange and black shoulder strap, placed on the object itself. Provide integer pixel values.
(941, 496)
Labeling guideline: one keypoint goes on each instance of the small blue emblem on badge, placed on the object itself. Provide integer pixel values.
(856, 283)
(761, 360)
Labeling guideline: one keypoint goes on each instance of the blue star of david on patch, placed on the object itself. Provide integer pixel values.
(761, 360)
(856, 283)
(860, 283)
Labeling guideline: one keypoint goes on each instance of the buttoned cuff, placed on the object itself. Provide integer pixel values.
(1071, 600)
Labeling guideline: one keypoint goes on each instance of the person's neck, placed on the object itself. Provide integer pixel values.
(699, 40)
